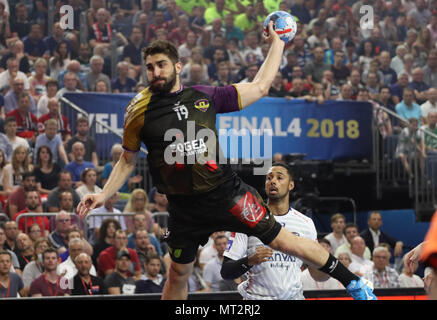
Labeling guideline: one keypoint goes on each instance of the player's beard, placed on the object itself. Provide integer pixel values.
(165, 87)
(278, 196)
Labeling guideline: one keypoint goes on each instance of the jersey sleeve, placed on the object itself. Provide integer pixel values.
(226, 99)
(237, 246)
(134, 121)
(313, 231)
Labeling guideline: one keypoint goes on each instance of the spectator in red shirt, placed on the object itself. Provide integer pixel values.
(49, 284)
(106, 260)
(179, 35)
(26, 121)
(55, 113)
(16, 200)
(33, 204)
(158, 23)
(101, 31)
(342, 5)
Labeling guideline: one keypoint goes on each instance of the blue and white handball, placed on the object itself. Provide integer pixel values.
(284, 25)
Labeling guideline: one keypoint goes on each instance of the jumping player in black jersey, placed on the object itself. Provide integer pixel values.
(177, 125)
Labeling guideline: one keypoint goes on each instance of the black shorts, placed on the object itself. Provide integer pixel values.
(234, 206)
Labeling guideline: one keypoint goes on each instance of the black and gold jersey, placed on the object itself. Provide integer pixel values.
(180, 134)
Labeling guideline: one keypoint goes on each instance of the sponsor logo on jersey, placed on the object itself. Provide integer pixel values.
(201, 105)
(190, 147)
(228, 247)
(248, 210)
(279, 256)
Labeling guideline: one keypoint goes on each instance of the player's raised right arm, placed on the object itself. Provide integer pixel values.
(259, 87)
(119, 175)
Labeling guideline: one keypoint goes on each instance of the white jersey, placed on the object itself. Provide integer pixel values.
(279, 278)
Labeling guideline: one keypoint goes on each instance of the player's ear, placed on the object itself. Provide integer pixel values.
(178, 67)
(291, 185)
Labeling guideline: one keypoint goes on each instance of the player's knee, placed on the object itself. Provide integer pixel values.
(179, 271)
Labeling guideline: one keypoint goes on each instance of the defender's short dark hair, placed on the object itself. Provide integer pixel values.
(164, 47)
(284, 165)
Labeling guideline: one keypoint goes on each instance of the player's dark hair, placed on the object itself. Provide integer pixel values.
(164, 47)
(284, 165)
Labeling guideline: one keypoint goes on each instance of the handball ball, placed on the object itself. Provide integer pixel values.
(284, 25)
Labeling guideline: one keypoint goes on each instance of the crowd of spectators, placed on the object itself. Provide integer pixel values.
(47, 166)
(371, 254)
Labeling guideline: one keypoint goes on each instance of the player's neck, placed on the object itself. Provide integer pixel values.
(177, 87)
(279, 207)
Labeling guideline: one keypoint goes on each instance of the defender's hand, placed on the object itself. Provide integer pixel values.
(261, 255)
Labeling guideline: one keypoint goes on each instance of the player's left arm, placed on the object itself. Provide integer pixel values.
(233, 269)
(259, 87)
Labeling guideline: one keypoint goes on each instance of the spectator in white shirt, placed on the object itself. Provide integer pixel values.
(211, 272)
(336, 237)
(429, 105)
(360, 265)
(10, 73)
(309, 283)
(67, 269)
(52, 87)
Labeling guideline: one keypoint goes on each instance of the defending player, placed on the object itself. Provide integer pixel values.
(272, 275)
(177, 123)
